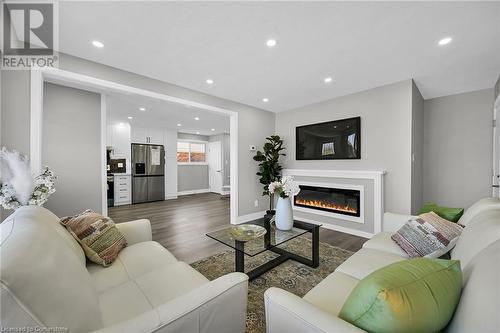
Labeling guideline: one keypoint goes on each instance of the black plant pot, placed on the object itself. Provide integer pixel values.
(269, 214)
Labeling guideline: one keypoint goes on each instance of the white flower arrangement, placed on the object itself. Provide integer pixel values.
(17, 185)
(285, 188)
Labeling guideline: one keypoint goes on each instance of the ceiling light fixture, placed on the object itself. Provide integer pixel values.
(328, 79)
(196, 118)
(444, 41)
(198, 133)
(213, 129)
(98, 44)
(209, 81)
(130, 117)
(265, 100)
(179, 125)
(142, 109)
(271, 42)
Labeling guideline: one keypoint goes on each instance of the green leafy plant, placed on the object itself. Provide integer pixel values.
(269, 166)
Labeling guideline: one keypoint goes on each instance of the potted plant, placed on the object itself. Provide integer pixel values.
(269, 167)
(285, 188)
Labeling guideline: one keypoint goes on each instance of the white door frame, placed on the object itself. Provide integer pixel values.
(496, 148)
(80, 81)
(219, 143)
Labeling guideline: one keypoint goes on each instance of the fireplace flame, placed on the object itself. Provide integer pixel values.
(326, 205)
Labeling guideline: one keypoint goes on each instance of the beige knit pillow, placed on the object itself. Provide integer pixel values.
(100, 239)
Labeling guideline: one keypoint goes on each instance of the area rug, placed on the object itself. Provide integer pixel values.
(291, 275)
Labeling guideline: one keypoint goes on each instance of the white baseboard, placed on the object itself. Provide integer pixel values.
(329, 226)
(170, 197)
(225, 192)
(251, 217)
(205, 190)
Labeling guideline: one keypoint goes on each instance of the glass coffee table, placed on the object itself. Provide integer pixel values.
(269, 242)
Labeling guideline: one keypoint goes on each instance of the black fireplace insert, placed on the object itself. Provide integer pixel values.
(333, 200)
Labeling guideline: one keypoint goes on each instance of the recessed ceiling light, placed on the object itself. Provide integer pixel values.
(98, 44)
(179, 125)
(213, 129)
(444, 41)
(265, 100)
(142, 109)
(271, 42)
(196, 118)
(130, 117)
(328, 79)
(209, 81)
(197, 132)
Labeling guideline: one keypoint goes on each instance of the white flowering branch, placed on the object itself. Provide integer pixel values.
(285, 188)
(17, 185)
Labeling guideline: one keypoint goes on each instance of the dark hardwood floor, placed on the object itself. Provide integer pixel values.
(181, 224)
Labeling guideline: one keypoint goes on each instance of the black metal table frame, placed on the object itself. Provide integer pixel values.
(283, 254)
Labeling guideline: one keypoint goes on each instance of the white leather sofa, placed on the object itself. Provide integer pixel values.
(478, 249)
(46, 282)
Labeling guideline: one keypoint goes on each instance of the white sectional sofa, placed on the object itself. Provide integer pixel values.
(478, 249)
(46, 282)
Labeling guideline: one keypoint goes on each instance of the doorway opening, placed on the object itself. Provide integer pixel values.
(108, 89)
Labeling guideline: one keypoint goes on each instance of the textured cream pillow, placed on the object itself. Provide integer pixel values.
(428, 235)
(100, 239)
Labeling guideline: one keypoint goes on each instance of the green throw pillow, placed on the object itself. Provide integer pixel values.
(415, 295)
(451, 214)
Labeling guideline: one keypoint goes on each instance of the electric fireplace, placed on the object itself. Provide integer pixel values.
(333, 200)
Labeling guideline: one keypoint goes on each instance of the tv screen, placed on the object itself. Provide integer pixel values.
(333, 140)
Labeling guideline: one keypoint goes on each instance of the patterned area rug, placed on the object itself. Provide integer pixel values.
(291, 275)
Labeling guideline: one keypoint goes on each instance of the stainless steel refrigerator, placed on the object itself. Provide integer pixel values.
(148, 173)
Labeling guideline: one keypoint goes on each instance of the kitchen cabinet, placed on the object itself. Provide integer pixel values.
(147, 135)
(122, 189)
(118, 137)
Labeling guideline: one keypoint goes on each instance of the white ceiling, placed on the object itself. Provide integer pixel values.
(360, 44)
(161, 114)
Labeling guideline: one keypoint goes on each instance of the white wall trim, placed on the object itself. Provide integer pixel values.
(181, 193)
(378, 187)
(251, 217)
(346, 230)
(104, 178)
(80, 81)
(370, 174)
(36, 110)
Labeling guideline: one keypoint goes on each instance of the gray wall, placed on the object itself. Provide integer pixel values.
(386, 123)
(417, 148)
(71, 147)
(192, 177)
(458, 148)
(15, 115)
(497, 88)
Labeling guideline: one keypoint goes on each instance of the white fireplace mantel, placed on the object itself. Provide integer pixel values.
(377, 176)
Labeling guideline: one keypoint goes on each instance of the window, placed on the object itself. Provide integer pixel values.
(191, 152)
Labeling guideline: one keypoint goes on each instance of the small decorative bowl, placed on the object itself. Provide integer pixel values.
(246, 232)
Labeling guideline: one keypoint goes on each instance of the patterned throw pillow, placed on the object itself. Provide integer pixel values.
(100, 239)
(427, 236)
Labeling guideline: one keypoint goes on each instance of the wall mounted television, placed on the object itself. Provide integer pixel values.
(332, 140)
